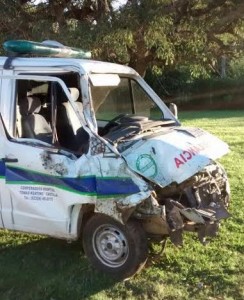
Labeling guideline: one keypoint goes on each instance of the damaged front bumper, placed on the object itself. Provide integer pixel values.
(197, 205)
(173, 219)
(204, 221)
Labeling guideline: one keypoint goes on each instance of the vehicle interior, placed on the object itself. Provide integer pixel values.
(123, 109)
(43, 112)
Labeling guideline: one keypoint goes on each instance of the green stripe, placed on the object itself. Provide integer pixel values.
(27, 182)
(112, 177)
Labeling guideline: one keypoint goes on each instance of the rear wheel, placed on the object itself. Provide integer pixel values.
(115, 248)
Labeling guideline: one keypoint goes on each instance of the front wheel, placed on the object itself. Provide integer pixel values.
(114, 248)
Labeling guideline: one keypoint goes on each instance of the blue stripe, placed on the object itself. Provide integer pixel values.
(2, 168)
(92, 184)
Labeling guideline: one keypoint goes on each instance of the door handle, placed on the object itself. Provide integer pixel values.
(9, 160)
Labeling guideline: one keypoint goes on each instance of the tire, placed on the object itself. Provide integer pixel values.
(117, 249)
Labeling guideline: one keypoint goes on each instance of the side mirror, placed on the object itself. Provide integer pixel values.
(173, 108)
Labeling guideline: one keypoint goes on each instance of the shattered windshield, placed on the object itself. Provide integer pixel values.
(126, 97)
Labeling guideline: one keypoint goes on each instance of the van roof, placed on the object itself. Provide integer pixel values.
(86, 66)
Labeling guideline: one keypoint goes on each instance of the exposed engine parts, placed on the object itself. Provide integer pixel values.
(196, 205)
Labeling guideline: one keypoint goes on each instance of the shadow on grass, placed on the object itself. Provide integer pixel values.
(48, 269)
(54, 270)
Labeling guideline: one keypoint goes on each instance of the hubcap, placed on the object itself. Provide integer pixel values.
(110, 245)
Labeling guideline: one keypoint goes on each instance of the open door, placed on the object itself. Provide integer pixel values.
(39, 180)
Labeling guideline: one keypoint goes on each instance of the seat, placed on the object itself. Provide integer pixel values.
(73, 120)
(71, 135)
(33, 125)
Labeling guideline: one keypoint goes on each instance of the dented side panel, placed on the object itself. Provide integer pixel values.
(44, 186)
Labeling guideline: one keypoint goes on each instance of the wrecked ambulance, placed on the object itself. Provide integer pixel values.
(89, 151)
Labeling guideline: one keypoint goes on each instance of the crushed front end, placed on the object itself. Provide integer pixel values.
(197, 205)
(190, 190)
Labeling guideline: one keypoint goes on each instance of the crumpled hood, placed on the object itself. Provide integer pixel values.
(174, 155)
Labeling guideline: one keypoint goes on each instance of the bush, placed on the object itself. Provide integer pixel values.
(197, 94)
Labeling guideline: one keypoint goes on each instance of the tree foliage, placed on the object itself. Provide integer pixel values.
(141, 33)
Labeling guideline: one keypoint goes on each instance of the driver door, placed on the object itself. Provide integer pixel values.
(35, 196)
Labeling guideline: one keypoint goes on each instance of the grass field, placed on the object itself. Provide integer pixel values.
(34, 267)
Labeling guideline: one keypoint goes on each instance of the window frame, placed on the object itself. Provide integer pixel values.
(11, 126)
(132, 101)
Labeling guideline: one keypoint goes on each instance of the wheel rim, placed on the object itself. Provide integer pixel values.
(110, 246)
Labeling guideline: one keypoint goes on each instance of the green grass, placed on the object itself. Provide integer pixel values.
(34, 267)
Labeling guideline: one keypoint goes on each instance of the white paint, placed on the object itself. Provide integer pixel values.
(163, 150)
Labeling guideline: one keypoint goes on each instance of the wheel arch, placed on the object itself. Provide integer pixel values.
(80, 213)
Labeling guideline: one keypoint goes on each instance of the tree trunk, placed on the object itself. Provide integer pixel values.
(139, 64)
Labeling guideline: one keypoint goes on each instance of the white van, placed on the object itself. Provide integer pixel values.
(89, 151)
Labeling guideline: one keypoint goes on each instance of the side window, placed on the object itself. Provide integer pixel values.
(44, 113)
(33, 111)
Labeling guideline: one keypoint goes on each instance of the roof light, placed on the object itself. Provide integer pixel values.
(47, 48)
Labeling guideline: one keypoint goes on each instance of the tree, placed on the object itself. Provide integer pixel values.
(141, 33)
(172, 33)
